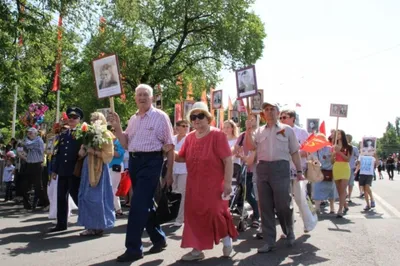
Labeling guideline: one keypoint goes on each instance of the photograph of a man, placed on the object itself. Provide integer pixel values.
(312, 125)
(107, 78)
(217, 99)
(246, 82)
(256, 102)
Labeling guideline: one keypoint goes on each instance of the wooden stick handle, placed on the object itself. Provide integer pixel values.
(112, 104)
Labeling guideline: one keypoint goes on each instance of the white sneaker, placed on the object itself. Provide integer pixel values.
(193, 256)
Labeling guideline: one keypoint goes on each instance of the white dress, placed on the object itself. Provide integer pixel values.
(52, 194)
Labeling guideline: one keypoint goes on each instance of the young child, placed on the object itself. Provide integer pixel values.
(8, 178)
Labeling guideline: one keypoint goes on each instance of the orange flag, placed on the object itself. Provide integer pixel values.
(221, 118)
(315, 143)
(189, 95)
(204, 97)
(56, 82)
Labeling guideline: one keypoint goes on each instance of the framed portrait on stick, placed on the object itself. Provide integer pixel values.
(368, 146)
(246, 82)
(257, 101)
(216, 99)
(339, 110)
(187, 106)
(106, 76)
(312, 125)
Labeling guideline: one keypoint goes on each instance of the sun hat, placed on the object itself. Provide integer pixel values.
(199, 106)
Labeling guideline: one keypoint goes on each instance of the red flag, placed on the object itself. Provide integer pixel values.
(178, 112)
(298, 105)
(56, 82)
(315, 143)
(230, 105)
(322, 129)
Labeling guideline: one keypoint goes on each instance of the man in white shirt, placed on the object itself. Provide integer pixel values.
(179, 170)
(367, 167)
(288, 117)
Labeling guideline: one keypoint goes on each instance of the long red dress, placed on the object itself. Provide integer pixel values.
(207, 216)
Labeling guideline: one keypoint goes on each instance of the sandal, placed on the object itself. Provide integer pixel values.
(255, 224)
(88, 232)
(99, 232)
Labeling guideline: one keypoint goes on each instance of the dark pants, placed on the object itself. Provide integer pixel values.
(390, 172)
(274, 188)
(144, 170)
(8, 191)
(34, 176)
(67, 185)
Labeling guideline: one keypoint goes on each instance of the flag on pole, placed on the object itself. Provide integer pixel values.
(204, 97)
(322, 128)
(189, 94)
(221, 118)
(56, 82)
(298, 105)
(178, 112)
(315, 143)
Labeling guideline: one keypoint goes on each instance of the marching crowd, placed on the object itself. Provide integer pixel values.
(201, 165)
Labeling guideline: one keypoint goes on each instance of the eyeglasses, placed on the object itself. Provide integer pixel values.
(284, 117)
(73, 117)
(200, 116)
(184, 126)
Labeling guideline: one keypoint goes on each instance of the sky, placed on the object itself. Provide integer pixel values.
(319, 52)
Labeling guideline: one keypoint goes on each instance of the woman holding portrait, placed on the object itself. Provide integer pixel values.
(208, 159)
(96, 208)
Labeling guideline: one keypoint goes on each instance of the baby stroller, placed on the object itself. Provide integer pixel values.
(238, 197)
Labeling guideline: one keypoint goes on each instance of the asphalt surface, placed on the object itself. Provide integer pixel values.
(371, 238)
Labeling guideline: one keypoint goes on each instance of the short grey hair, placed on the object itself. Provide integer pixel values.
(146, 87)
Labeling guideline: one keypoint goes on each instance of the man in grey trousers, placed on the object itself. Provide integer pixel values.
(275, 145)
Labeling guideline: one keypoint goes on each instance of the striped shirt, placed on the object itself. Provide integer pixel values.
(149, 132)
(35, 150)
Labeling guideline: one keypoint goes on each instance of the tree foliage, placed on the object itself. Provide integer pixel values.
(156, 41)
(390, 142)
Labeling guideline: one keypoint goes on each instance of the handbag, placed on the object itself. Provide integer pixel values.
(116, 168)
(167, 206)
(124, 185)
(328, 175)
(313, 173)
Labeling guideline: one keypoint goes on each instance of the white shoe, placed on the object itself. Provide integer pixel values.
(193, 256)
(227, 250)
(177, 224)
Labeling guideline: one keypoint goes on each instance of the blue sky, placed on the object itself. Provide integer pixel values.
(319, 52)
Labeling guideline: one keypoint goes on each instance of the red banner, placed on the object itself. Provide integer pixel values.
(315, 143)
(322, 128)
(56, 82)
(178, 112)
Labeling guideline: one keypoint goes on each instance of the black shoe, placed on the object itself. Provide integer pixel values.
(157, 248)
(127, 257)
(57, 229)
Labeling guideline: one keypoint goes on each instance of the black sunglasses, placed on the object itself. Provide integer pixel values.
(182, 126)
(73, 117)
(199, 116)
(284, 117)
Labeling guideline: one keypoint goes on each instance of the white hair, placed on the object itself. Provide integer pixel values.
(146, 87)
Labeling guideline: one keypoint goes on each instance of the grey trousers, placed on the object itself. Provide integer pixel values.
(274, 190)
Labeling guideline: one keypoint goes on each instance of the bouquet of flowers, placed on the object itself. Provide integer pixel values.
(34, 116)
(92, 135)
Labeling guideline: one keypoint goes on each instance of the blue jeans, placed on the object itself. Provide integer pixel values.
(144, 170)
(250, 197)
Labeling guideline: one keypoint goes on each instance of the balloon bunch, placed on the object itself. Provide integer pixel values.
(34, 116)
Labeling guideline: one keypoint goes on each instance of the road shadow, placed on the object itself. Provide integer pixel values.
(372, 214)
(113, 262)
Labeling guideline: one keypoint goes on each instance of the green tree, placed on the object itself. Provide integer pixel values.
(389, 143)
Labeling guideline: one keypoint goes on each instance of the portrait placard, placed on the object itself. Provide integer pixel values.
(368, 146)
(257, 101)
(312, 125)
(235, 116)
(51, 138)
(246, 82)
(106, 76)
(216, 99)
(339, 110)
(187, 106)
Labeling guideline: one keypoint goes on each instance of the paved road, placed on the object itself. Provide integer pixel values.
(361, 239)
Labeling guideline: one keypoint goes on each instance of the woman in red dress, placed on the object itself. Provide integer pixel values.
(209, 183)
